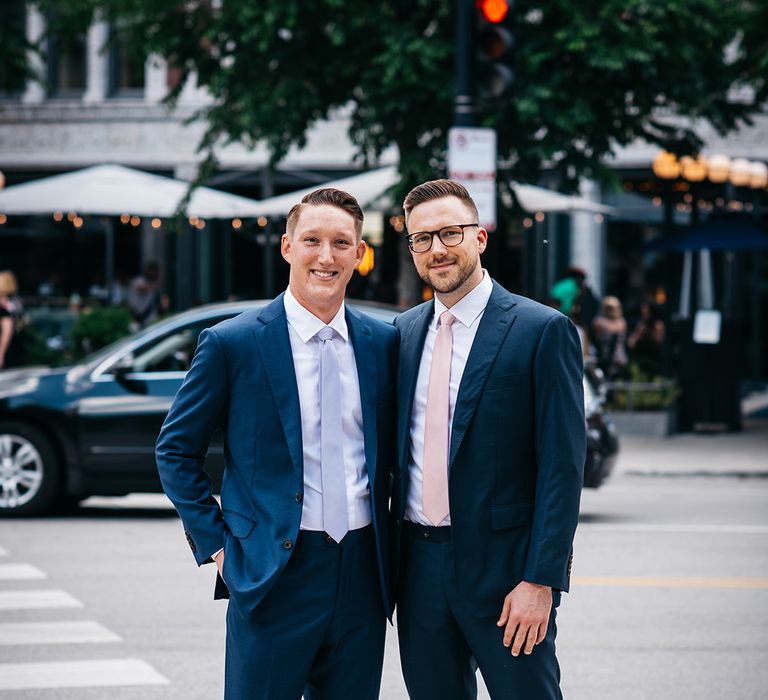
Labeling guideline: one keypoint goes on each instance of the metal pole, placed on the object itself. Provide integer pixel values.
(267, 190)
(465, 105)
(109, 262)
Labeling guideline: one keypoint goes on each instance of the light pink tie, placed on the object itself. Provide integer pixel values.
(435, 463)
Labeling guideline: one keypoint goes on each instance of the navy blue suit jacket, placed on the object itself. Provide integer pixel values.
(517, 451)
(242, 381)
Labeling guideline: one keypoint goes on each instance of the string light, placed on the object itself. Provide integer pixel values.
(156, 223)
(236, 224)
(58, 216)
(125, 218)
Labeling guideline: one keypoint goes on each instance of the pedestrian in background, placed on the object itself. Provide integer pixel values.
(609, 331)
(303, 393)
(143, 295)
(647, 338)
(13, 322)
(491, 446)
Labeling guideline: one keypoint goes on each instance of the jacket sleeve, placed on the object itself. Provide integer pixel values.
(560, 448)
(197, 411)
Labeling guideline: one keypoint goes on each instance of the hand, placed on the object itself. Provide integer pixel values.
(219, 559)
(526, 616)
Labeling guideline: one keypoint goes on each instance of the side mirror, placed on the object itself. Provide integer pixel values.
(121, 369)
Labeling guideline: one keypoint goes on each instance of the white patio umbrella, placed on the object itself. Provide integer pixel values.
(369, 188)
(535, 199)
(113, 190)
(366, 188)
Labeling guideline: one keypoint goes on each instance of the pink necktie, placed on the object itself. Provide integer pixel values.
(435, 463)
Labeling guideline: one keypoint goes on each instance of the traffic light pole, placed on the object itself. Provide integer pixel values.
(465, 101)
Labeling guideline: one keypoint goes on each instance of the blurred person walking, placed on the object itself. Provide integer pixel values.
(143, 295)
(609, 330)
(12, 322)
(647, 339)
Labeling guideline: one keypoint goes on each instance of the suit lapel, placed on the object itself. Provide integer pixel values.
(274, 344)
(494, 325)
(411, 348)
(365, 359)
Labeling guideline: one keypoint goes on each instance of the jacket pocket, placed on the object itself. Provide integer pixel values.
(239, 525)
(512, 515)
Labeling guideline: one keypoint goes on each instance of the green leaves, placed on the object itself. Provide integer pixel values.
(591, 75)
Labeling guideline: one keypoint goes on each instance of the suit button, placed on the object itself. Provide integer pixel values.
(287, 544)
(329, 539)
(299, 497)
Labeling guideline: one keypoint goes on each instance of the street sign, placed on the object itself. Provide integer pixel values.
(472, 162)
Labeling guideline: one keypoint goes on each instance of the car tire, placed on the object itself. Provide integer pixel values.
(30, 470)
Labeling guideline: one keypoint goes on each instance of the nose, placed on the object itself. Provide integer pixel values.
(438, 248)
(326, 253)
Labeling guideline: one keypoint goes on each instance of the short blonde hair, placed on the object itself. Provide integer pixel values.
(8, 284)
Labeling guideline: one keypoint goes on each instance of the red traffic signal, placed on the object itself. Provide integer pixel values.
(493, 11)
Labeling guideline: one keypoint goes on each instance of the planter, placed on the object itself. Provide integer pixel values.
(643, 408)
(645, 423)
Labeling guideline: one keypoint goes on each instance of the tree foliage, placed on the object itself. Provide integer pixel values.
(591, 75)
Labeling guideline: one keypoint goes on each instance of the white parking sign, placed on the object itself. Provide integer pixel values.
(472, 161)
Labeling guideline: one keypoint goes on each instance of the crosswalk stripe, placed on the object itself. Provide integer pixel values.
(698, 528)
(80, 632)
(79, 674)
(672, 581)
(37, 600)
(10, 572)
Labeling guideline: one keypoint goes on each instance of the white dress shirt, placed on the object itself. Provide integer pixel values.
(305, 347)
(468, 312)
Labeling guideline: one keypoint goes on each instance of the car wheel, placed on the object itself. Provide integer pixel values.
(30, 471)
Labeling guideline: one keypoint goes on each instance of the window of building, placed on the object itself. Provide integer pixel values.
(13, 68)
(66, 65)
(126, 64)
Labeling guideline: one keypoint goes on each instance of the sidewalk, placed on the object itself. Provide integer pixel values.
(743, 454)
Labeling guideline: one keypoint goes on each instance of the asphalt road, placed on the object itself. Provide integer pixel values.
(669, 600)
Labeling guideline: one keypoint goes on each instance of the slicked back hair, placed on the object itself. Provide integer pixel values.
(331, 197)
(437, 189)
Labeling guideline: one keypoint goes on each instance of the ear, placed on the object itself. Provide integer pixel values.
(482, 239)
(360, 252)
(285, 248)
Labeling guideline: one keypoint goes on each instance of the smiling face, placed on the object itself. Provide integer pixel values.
(455, 271)
(323, 251)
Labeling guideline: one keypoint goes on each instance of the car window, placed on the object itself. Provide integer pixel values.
(172, 352)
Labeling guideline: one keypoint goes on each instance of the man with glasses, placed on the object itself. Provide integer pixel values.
(491, 448)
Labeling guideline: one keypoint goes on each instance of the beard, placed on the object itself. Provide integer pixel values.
(450, 280)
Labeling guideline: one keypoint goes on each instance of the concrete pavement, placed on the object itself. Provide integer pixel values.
(743, 454)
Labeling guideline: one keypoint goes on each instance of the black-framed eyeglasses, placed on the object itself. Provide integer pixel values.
(421, 241)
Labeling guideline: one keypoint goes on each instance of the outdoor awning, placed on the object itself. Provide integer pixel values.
(725, 232)
(112, 190)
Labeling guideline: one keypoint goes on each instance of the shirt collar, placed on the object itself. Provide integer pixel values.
(306, 324)
(470, 306)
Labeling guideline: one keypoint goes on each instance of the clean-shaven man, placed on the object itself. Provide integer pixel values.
(303, 392)
(491, 441)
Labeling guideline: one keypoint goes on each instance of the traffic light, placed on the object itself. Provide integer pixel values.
(494, 42)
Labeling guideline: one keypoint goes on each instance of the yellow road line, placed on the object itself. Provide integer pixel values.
(671, 581)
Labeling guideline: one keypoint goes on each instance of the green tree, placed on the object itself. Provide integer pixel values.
(591, 75)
